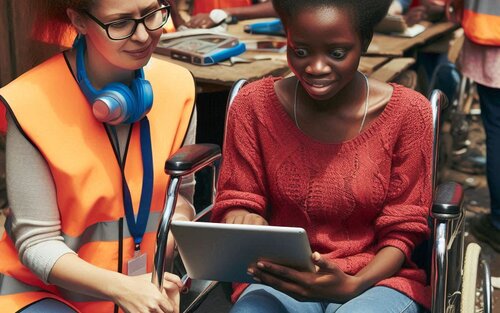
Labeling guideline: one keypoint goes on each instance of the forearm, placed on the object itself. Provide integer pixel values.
(386, 263)
(184, 210)
(73, 273)
(260, 10)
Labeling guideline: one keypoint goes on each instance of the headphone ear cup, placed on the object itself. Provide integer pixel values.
(143, 93)
(113, 104)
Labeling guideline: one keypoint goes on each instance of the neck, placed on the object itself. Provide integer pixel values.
(334, 108)
(343, 100)
(100, 72)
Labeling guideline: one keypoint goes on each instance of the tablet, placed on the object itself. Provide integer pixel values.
(223, 252)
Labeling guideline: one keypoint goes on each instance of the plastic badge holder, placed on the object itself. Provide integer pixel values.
(205, 49)
(274, 27)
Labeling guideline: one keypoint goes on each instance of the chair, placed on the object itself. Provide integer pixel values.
(452, 276)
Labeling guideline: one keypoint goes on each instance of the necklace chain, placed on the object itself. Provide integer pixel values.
(365, 106)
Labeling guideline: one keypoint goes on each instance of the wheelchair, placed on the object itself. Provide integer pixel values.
(459, 277)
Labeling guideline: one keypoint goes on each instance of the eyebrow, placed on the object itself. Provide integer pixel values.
(144, 11)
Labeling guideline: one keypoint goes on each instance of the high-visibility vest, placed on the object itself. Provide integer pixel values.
(57, 119)
(205, 6)
(481, 21)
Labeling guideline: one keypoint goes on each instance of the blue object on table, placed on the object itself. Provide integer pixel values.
(274, 27)
(226, 53)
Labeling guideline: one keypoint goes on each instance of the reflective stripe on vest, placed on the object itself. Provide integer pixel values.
(481, 21)
(54, 115)
(102, 231)
(9, 285)
(205, 6)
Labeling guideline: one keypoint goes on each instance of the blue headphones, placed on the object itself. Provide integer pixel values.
(116, 103)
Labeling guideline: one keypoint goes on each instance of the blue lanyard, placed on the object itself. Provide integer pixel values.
(138, 227)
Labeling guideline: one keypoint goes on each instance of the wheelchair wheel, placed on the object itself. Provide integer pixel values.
(473, 295)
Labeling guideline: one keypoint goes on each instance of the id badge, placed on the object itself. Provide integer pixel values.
(137, 264)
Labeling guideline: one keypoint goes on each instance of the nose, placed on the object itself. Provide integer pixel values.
(141, 33)
(318, 66)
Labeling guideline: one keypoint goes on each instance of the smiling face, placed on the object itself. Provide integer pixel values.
(127, 54)
(323, 50)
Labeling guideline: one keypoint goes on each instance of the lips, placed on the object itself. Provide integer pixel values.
(139, 53)
(318, 83)
(318, 88)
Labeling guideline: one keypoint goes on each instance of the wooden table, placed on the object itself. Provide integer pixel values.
(384, 59)
(393, 46)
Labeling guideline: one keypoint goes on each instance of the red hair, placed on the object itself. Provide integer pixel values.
(52, 24)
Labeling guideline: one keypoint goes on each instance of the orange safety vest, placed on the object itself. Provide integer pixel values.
(55, 116)
(481, 21)
(205, 6)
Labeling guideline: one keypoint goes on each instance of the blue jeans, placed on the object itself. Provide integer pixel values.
(490, 113)
(259, 298)
(47, 305)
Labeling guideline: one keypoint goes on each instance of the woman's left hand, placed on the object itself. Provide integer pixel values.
(327, 282)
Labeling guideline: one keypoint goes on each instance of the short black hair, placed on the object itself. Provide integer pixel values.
(365, 14)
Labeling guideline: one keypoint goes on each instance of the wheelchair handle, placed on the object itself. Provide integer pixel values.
(438, 102)
(192, 158)
(188, 160)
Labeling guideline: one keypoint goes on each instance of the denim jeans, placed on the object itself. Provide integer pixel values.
(259, 298)
(47, 305)
(489, 99)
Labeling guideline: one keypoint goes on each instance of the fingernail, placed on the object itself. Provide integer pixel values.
(250, 272)
(256, 279)
(260, 265)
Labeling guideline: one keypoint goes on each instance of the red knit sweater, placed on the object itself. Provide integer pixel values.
(353, 198)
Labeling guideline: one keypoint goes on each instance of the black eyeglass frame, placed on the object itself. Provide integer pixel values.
(137, 21)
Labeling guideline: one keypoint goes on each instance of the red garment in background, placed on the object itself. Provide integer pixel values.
(205, 6)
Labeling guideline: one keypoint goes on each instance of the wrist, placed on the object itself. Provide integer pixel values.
(358, 286)
(114, 286)
(235, 212)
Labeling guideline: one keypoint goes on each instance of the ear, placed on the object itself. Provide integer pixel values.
(78, 21)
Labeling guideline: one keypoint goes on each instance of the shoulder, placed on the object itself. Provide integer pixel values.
(414, 115)
(254, 96)
(41, 81)
(411, 104)
(169, 77)
(42, 72)
(167, 72)
(261, 88)
(254, 105)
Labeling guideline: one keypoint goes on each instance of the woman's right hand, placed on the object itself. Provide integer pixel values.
(240, 216)
(137, 294)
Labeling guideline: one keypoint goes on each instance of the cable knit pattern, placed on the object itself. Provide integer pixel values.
(353, 198)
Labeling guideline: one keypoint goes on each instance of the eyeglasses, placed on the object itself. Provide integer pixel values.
(125, 28)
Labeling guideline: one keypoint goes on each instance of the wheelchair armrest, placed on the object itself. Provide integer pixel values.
(191, 158)
(448, 200)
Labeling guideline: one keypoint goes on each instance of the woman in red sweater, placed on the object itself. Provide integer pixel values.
(344, 157)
